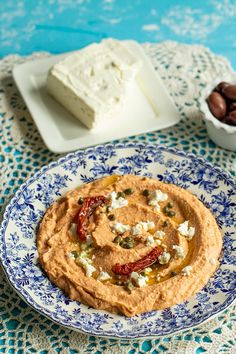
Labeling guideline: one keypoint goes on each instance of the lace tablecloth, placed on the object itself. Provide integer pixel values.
(185, 71)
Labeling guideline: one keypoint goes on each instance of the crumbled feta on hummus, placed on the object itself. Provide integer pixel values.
(155, 197)
(159, 234)
(186, 231)
(179, 251)
(86, 264)
(150, 241)
(164, 258)
(142, 226)
(117, 202)
(187, 270)
(138, 279)
(103, 276)
(120, 228)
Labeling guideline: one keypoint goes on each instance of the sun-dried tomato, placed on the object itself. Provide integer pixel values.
(86, 210)
(139, 265)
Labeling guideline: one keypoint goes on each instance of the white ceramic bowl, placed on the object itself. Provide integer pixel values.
(222, 134)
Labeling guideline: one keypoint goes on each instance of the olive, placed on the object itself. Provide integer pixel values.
(232, 106)
(220, 87)
(217, 105)
(230, 92)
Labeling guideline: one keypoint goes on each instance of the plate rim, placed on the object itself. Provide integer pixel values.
(32, 303)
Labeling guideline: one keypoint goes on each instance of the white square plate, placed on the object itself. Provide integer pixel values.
(148, 108)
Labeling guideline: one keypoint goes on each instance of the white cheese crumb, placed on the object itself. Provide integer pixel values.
(179, 251)
(158, 242)
(86, 245)
(117, 202)
(187, 270)
(130, 285)
(103, 276)
(120, 228)
(138, 279)
(159, 234)
(147, 270)
(142, 226)
(212, 261)
(71, 255)
(186, 231)
(164, 258)
(150, 241)
(156, 197)
(86, 264)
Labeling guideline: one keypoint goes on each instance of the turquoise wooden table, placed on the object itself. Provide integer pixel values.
(57, 26)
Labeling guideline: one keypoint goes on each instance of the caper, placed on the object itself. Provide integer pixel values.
(126, 245)
(117, 239)
(127, 242)
(166, 209)
(171, 213)
(143, 274)
(74, 253)
(111, 217)
(170, 205)
(165, 223)
(128, 191)
(81, 200)
(173, 274)
(107, 209)
(146, 192)
(120, 195)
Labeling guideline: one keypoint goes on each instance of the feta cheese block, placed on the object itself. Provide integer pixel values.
(93, 82)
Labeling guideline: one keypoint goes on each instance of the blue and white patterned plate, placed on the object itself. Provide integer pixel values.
(18, 250)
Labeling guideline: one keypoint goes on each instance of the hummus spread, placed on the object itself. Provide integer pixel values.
(146, 245)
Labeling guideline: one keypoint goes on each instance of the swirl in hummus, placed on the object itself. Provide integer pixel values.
(146, 245)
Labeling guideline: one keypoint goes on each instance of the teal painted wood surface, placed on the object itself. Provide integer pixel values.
(62, 25)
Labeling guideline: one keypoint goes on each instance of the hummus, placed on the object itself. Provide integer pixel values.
(139, 215)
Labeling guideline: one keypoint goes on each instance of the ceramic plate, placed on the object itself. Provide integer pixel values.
(148, 106)
(214, 188)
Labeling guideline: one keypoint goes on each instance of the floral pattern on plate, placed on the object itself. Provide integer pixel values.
(18, 249)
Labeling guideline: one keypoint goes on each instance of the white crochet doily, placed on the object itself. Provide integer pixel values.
(185, 71)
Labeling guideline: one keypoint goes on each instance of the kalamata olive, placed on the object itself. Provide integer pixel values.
(230, 92)
(230, 119)
(217, 105)
(232, 106)
(221, 86)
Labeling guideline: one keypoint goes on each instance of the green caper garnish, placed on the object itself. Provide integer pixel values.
(111, 217)
(143, 274)
(120, 195)
(170, 205)
(166, 210)
(107, 209)
(165, 223)
(81, 200)
(128, 191)
(146, 192)
(117, 239)
(127, 242)
(74, 253)
(171, 213)
(173, 274)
